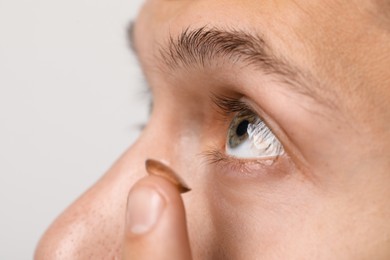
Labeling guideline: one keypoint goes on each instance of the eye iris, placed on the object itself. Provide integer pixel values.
(239, 130)
(250, 137)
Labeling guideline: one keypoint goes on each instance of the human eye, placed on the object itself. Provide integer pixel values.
(249, 137)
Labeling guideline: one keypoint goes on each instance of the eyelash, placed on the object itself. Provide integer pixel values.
(227, 106)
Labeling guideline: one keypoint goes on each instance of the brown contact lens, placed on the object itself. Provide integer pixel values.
(154, 167)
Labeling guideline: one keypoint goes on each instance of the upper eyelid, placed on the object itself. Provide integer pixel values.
(229, 105)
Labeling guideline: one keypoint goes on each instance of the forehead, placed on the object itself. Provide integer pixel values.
(312, 29)
(344, 43)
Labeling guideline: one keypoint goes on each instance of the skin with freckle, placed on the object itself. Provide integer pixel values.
(326, 99)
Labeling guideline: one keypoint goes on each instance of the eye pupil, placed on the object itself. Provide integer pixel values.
(242, 128)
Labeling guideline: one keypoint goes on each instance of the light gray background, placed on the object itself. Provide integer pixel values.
(70, 100)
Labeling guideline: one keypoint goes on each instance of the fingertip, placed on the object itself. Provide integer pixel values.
(155, 221)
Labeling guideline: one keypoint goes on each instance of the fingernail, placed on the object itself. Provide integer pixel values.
(144, 208)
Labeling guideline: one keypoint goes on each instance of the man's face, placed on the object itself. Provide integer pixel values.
(276, 114)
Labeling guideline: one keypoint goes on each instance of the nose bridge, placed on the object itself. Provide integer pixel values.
(159, 140)
(175, 141)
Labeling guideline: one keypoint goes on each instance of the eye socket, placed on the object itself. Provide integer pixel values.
(250, 138)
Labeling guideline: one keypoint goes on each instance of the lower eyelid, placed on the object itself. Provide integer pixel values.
(225, 162)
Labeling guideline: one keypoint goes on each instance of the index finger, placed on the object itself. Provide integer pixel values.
(155, 223)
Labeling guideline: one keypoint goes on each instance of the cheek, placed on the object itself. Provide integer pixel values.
(269, 216)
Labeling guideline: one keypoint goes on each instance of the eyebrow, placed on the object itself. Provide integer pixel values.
(203, 46)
